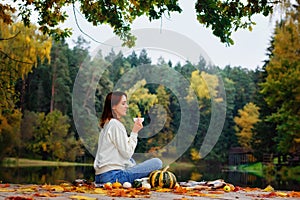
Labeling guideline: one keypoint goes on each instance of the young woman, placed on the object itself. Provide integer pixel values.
(113, 160)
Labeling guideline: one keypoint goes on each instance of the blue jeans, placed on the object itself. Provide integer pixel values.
(140, 170)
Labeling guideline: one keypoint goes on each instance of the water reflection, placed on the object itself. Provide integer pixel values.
(57, 175)
(45, 175)
(242, 179)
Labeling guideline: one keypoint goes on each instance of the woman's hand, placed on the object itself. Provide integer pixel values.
(137, 126)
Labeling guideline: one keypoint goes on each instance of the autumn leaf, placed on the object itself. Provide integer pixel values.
(163, 190)
(200, 194)
(294, 194)
(281, 194)
(99, 191)
(269, 188)
(4, 185)
(180, 190)
(118, 193)
(45, 194)
(55, 188)
(18, 198)
(82, 197)
(249, 189)
(7, 190)
(27, 189)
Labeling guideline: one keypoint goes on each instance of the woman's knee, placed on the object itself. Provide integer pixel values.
(157, 163)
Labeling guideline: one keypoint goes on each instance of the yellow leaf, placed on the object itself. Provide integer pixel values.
(281, 194)
(99, 191)
(82, 197)
(26, 190)
(55, 188)
(163, 190)
(269, 188)
(6, 190)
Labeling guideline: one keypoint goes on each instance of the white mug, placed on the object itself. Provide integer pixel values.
(136, 118)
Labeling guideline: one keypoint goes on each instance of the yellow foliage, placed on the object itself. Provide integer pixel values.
(195, 155)
(205, 86)
(138, 95)
(248, 116)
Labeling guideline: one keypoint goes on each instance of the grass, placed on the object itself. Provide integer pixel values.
(261, 170)
(255, 168)
(24, 162)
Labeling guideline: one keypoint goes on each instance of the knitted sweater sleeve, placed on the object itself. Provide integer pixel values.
(118, 135)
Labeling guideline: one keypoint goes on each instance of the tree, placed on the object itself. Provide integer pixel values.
(248, 116)
(205, 86)
(133, 59)
(50, 137)
(227, 139)
(60, 78)
(143, 58)
(224, 17)
(281, 87)
(244, 85)
(265, 130)
(21, 49)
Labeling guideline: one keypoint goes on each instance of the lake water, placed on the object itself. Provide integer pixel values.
(56, 175)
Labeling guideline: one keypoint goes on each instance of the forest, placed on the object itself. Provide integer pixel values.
(37, 85)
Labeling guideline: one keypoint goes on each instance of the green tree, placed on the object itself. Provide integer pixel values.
(143, 58)
(265, 130)
(60, 78)
(133, 59)
(77, 56)
(281, 88)
(248, 116)
(244, 85)
(224, 17)
(51, 138)
(118, 65)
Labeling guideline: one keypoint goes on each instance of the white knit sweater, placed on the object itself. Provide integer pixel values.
(115, 148)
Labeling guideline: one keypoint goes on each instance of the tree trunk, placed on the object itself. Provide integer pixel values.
(52, 102)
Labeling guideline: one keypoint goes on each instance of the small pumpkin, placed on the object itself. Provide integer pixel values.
(162, 178)
(116, 184)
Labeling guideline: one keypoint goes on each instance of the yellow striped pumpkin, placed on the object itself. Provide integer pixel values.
(162, 178)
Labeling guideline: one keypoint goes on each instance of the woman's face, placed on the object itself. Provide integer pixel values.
(121, 108)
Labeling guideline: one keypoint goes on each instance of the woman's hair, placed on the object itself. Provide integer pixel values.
(112, 99)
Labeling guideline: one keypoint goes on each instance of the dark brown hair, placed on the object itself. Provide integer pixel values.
(112, 99)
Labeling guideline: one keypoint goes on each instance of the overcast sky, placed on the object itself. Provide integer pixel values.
(248, 51)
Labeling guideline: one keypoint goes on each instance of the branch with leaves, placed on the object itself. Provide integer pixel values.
(223, 17)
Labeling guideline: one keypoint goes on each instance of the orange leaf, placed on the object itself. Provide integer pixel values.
(180, 190)
(249, 189)
(294, 194)
(46, 194)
